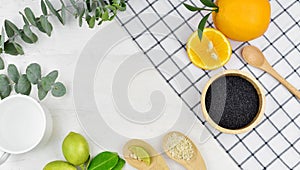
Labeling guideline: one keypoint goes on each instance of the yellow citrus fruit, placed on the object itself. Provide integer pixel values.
(242, 20)
(212, 52)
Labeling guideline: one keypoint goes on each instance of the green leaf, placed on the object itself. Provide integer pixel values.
(88, 5)
(52, 76)
(104, 160)
(24, 18)
(46, 83)
(98, 13)
(9, 30)
(81, 16)
(209, 3)
(44, 8)
(2, 38)
(58, 89)
(23, 86)
(74, 6)
(30, 16)
(2, 66)
(105, 15)
(13, 73)
(54, 11)
(202, 25)
(39, 26)
(27, 31)
(13, 48)
(192, 8)
(33, 72)
(46, 25)
(1, 50)
(5, 88)
(42, 93)
(63, 13)
(120, 164)
(92, 22)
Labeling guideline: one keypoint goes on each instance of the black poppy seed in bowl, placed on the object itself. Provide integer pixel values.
(232, 102)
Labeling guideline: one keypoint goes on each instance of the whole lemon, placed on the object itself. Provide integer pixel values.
(75, 149)
(242, 20)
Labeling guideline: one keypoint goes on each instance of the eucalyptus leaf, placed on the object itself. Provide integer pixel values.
(46, 25)
(209, 3)
(120, 164)
(42, 93)
(54, 11)
(23, 86)
(88, 5)
(44, 8)
(81, 16)
(58, 89)
(105, 15)
(63, 13)
(8, 29)
(52, 76)
(2, 66)
(1, 50)
(39, 26)
(5, 88)
(26, 39)
(104, 160)
(30, 16)
(98, 12)
(24, 18)
(46, 83)
(13, 73)
(74, 6)
(202, 25)
(13, 48)
(33, 72)
(2, 38)
(27, 31)
(92, 22)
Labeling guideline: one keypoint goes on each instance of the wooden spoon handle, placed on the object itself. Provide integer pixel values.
(268, 68)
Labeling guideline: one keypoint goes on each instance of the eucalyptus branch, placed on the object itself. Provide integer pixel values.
(92, 11)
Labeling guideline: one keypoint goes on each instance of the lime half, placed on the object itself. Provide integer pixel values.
(140, 154)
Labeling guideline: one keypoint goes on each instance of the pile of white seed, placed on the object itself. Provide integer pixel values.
(179, 147)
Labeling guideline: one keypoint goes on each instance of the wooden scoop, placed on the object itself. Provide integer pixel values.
(157, 161)
(255, 58)
(195, 163)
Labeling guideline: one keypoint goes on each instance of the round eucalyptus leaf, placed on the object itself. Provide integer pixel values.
(33, 72)
(13, 73)
(58, 89)
(42, 93)
(2, 66)
(52, 76)
(46, 83)
(5, 87)
(23, 85)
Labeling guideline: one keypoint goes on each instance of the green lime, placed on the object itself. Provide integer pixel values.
(59, 165)
(75, 149)
(141, 154)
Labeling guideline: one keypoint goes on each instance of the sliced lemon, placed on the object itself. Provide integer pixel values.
(140, 154)
(212, 52)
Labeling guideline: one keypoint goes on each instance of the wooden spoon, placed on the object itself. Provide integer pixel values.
(195, 163)
(255, 58)
(157, 161)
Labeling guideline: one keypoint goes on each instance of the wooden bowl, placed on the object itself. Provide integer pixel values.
(261, 96)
